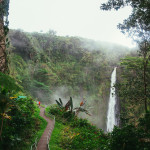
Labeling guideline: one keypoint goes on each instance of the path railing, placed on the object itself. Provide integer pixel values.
(49, 132)
(34, 145)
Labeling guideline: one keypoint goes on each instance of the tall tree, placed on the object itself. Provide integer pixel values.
(137, 25)
(4, 7)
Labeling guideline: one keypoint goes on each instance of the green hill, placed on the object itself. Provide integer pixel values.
(48, 66)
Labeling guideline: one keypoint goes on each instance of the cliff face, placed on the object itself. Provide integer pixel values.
(117, 110)
(117, 107)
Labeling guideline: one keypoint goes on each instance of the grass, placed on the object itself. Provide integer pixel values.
(55, 137)
(43, 123)
(74, 133)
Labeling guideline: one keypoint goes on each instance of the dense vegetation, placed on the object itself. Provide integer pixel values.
(134, 114)
(71, 132)
(131, 87)
(48, 66)
(19, 117)
(133, 78)
(44, 66)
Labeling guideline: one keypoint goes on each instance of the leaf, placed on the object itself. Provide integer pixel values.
(71, 103)
(61, 101)
(59, 104)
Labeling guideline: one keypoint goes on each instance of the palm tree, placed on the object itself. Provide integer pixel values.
(81, 109)
(69, 106)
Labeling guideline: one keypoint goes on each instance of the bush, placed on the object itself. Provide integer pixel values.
(78, 133)
(124, 138)
(20, 126)
(55, 110)
(130, 137)
(79, 122)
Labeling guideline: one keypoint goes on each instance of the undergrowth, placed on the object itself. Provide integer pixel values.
(74, 133)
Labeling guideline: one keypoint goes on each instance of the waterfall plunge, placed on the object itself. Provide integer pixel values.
(111, 115)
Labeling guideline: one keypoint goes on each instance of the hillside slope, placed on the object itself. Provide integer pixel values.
(49, 66)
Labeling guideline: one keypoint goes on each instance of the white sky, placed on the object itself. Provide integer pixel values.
(69, 17)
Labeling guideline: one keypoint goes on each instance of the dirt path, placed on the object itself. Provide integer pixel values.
(42, 144)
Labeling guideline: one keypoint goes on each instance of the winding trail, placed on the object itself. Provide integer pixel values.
(42, 144)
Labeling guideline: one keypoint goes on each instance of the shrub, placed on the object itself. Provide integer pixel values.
(21, 125)
(79, 122)
(78, 133)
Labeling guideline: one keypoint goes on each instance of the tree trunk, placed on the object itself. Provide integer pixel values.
(145, 62)
(1, 127)
(145, 86)
(3, 64)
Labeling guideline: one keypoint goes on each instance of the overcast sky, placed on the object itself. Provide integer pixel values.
(69, 17)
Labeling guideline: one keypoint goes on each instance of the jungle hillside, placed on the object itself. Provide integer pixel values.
(49, 67)
(70, 78)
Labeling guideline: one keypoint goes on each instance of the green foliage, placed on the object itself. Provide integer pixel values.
(54, 141)
(59, 103)
(68, 105)
(53, 61)
(130, 137)
(79, 122)
(124, 138)
(7, 81)
(54, 109)
(138, 27)
(43, 64)
(69, 108)
(131, 89)
(138, 22)
(144, 122)
(4, 11)
(5, 100)
(71, 104)
(75, 133)
(19, 119)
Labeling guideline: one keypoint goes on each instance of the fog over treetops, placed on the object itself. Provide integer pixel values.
(50, 67)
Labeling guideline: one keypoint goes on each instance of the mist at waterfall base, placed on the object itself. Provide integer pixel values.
(111, 114)
(97, 108)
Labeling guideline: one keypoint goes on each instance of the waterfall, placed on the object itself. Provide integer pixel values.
(111, 115)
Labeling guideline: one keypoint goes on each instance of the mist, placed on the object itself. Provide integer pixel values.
(52, 67)
(97, 108)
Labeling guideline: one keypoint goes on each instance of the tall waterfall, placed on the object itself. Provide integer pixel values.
(111, 115)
